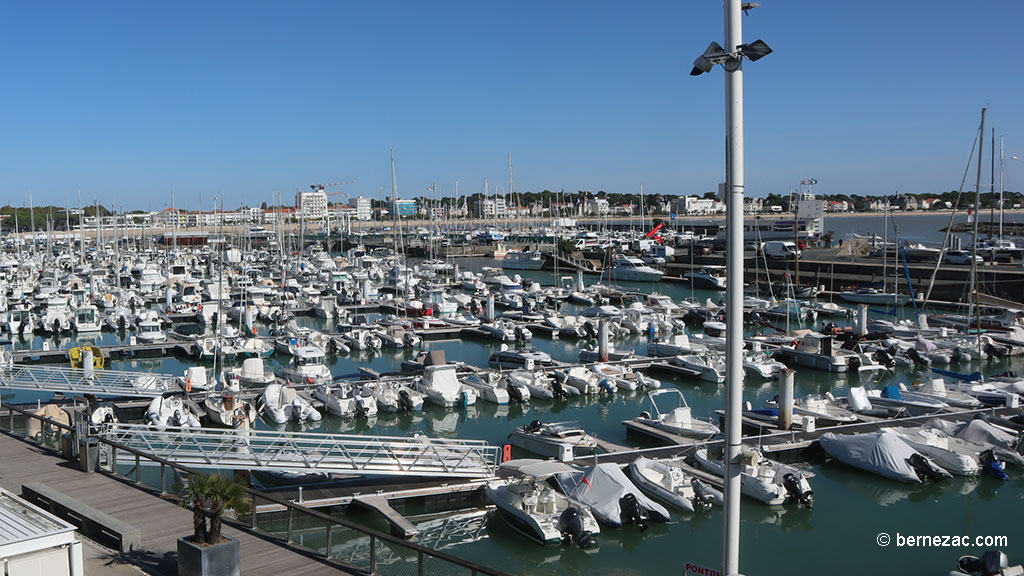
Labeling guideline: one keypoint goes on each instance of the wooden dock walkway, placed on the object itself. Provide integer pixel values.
(160, 521)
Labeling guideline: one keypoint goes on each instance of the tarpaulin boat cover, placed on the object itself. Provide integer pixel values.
(923, 345)
(600, 488)
(883, 453)
(892, 392)
(857, 399)
(1006, 445)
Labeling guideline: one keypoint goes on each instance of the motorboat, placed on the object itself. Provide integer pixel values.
(621, 376)
(893, 396)
(712, 277)
(957, 456)
(395, 396)
(679, 420)
(150, 330)
(491, 387)
(552, 439)
(612, 498)
(675, 345)
(525, 358)
(761, 365)
(346, 400)
(523, 260)
(440, 385)
(823, 409)
(87, 319)
(282, 404)
(884, 453)
(540, 385)
(710, 368)
(763, 479)
(666, 481)
(874, 296)
(306, 367)
(506, 331)
(171, 409)
(251, 373)
(821, 352)
(225, 408)
(587, 381)
(625, 268)
(533, 508)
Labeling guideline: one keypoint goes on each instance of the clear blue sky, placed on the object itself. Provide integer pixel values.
(130, 100)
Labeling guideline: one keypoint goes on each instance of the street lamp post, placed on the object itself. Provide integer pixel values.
(731, 58)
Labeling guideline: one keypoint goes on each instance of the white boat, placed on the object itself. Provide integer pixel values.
(440, 385)
(282, 404)
(551, 439)
(892, 396)
(56, 317)
(527, 358)
(306, 367)
(506, 331)
(711, 368)
(394, 396)
(523, 260)
(760, 365)
(822, 352)
(665, 481)
(346, 400)
(957, 456)
(535, 509)
(491, 387)
(149, 330)
(540, 385)
(225, 408)
(87, 319)
(675, 345)
(632, 270)
(679, 420)
(766, 480)
(620, 375)
(170, 409)
(874, 296)
(712, 277)
(251, 373)
(824, 409)
(587, 381)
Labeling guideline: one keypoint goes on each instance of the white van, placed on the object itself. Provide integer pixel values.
(780, 250)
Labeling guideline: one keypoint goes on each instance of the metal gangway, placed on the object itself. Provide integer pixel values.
(87, 381)
(305, 452)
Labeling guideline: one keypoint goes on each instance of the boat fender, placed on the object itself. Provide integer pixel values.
(792, 485)
(925, 468)
(570, 524)
(992, 466)
(631, 511)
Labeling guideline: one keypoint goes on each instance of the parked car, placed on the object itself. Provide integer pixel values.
(959, 257)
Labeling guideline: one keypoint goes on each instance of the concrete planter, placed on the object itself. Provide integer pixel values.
(216, 560)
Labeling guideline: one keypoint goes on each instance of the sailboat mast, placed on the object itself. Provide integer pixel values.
(974, 249)
(1001, 188)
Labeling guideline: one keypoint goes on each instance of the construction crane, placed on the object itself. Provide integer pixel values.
(320, 187)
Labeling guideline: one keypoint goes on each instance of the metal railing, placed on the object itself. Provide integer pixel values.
(336, 541)
(82, 381)
(309, 452)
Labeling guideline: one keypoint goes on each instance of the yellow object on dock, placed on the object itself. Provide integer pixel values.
(77, 356)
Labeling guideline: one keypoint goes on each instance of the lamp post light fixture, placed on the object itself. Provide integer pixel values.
(731, 58)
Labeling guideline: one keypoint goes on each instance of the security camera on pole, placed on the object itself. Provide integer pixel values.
(731, 58)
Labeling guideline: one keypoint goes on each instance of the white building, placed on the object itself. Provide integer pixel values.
(36, 543)
(490, 208)
(692, 205)
(311, 205)
(596, 207)
(363, 206)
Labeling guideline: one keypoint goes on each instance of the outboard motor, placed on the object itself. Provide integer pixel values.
(558, 389)
(993, 351)
(992, 466)
(607, 386)
(519, 332)
(914, 355)
(925, 468)
(588, 327)
(514, 393)
(701, 499)
(645, 415)
(991, 563)
(796, 492)
(570, 524)
(883, 358)
(533, 426)
(631, 511)
(404, 401)
(360, 408)
(121, 322)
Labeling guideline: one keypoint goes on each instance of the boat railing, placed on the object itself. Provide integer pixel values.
(338, 542)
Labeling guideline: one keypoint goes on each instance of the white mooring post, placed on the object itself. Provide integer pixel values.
(786, 381)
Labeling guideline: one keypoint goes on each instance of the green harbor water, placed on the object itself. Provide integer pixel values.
(838, 536)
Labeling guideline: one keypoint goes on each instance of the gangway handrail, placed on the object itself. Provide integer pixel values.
(423, 553)
(306, 451)
(83, 381)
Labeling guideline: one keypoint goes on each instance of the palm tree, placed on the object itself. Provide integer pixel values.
(210, 495)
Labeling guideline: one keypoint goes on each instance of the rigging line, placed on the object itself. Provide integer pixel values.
(949, 227)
